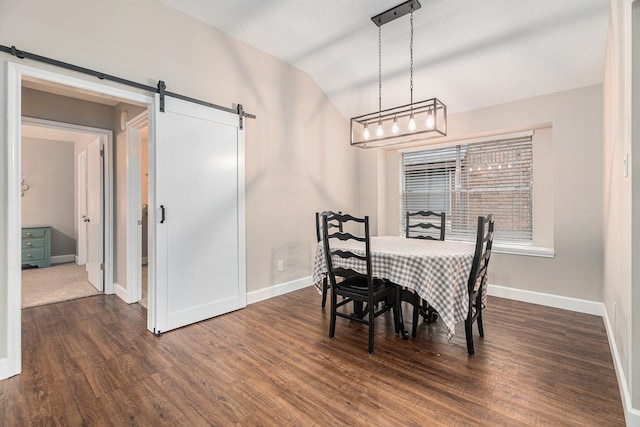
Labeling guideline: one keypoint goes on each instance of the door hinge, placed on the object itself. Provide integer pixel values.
(102, 266)
(102, 152)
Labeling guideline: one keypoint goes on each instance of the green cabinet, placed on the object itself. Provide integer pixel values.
(36, 246)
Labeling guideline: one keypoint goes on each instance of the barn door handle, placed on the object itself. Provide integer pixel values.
(161, 214)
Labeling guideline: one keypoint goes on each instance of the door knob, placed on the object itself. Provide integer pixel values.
(86, 219)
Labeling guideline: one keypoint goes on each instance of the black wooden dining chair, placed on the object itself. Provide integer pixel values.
(478, 278)
(325, 283)
(357, 284)
(431, 226)
(419, 225)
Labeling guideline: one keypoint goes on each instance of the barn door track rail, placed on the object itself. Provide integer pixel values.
(160, 89)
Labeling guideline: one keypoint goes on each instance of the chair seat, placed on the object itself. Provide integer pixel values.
(358, 285)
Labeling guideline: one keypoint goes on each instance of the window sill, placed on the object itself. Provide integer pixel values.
(502, 248)
(536, 251)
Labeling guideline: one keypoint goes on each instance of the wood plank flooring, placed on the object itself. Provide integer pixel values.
(92, 362)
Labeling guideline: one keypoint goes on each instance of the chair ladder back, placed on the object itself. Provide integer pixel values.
(319, 223)
(482, 254)
(339, 220)
(425, 225)
(484, 242)
(319, 215)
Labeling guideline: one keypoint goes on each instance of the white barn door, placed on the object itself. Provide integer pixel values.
(198, 260)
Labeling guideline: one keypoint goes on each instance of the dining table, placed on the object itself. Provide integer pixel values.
(438, 271)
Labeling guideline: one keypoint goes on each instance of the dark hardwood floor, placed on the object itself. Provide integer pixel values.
(92, 362)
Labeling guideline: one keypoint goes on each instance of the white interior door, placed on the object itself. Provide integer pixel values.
(199, 265)
(94, 218)
(82, 208)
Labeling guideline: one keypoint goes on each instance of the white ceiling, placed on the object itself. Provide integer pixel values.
(468, 53)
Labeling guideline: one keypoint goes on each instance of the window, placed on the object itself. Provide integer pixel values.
(470, 180)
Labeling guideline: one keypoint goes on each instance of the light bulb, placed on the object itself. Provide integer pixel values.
(395, 128)
(365, 133)
(379, 130)
(430, 121)
(412, 123)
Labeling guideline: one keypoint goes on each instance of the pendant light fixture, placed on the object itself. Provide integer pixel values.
(412, 122)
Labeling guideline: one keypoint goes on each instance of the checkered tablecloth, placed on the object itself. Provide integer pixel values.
(438, 271)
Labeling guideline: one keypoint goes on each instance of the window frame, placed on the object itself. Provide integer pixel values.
(517, 239)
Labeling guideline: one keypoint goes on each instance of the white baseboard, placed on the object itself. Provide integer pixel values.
(277, 290)
(5, 369)
(121, 292)
(61, 259)
(632, 415)
(549, 300)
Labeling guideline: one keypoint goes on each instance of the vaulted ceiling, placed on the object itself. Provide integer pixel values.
(468, 53)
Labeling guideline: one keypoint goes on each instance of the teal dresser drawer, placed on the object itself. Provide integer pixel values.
(30, 232)
(33, 243)
(36, 246)
(33, 255)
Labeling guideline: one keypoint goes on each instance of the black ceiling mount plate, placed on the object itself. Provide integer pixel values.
(396, 12)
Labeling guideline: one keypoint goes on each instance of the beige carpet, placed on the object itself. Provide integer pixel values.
(60, 282)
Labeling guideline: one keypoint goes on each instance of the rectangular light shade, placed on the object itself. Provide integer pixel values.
(392, 126)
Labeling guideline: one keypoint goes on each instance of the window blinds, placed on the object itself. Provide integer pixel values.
(467, 181)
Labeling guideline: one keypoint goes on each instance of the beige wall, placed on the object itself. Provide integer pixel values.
(621, 204)
(574, 199)
(57, 108)
(48, 168)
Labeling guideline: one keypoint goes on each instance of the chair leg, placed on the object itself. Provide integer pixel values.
(468, 330)
(479, 320)
(427, 312)
(371, 331)
(325, 285)
(396, 313)
(396, 316)
(332, 321)
(416, 313)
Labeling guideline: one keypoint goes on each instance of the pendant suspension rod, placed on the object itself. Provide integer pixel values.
(103, 76)
(379, 68)
(411, 55)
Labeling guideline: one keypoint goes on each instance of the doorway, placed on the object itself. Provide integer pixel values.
(16, 75)
(138, 208)
(62, 180)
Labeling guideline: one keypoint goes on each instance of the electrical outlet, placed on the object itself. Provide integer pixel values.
(280, 265)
